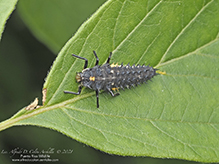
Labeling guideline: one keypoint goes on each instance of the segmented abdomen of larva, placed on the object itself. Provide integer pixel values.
(107, 76)
(127, 76)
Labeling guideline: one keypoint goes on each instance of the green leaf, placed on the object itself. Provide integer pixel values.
(6, 8)
(175, 116)
(54, 22)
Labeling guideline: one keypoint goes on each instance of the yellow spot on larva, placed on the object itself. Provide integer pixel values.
(115, 89)
(162, 73)
(92, 78)
(114, 65)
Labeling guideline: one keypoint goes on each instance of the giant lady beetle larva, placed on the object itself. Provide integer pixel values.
(111, 77)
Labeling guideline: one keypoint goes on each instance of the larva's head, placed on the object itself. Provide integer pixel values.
(78, 77)
(84, 76)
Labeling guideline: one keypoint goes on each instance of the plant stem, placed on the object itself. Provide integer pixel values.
(7, 123)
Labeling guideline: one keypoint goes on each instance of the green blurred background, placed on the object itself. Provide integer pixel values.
(33, 36)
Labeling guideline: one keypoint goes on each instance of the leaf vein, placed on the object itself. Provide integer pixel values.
(70, 68)
(182, 31)
(85, 124)
(176, 139)
(138, 25)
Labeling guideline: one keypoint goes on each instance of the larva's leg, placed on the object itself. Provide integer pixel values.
(108, 60)
(97, 59)
(86, 61)
(75, 93)
(112, 94)
(97, 95)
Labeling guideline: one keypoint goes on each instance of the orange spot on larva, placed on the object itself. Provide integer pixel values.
(115, 89)
(92, 78)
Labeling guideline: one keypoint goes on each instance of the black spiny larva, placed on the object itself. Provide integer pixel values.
(111, 77)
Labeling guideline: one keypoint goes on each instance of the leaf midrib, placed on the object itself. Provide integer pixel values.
(136, 118)
(63, 104)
